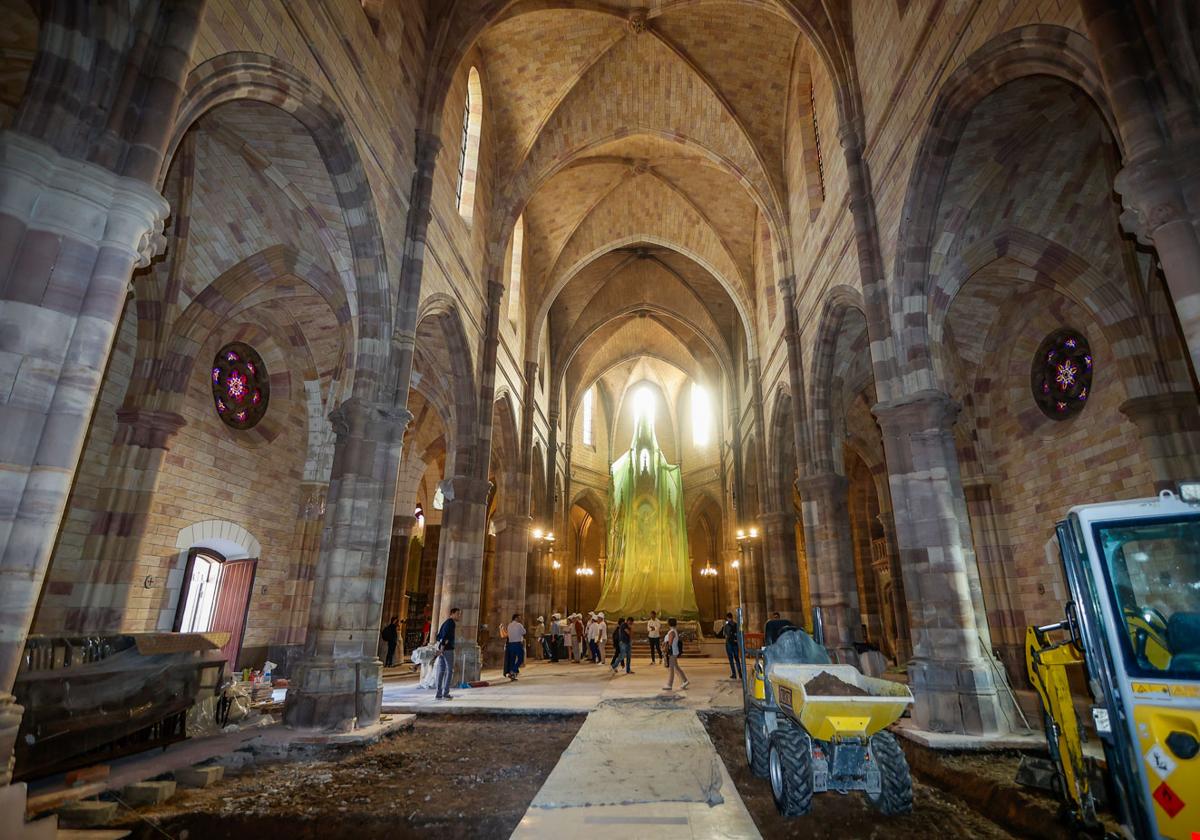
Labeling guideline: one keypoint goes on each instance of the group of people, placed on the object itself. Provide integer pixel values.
(565, 638)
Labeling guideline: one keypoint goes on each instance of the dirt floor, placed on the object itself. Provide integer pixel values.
(451, 776)
(837, 817)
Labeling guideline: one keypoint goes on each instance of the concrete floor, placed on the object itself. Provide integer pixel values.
(568, 687)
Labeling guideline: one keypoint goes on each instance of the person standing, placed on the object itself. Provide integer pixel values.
(601, 636)
(569, 636)
(514, 650)
(730, 632)
(623, 640)
(445, 646)
(426, 625)
(674, 651)
(391, 635)
(539, 637)
(556, 635)
(593, 637)
(579, 638)
(652, 629)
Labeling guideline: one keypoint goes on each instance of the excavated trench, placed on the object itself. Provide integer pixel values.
(450, 776)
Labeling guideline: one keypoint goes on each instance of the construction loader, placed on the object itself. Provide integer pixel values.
(1133, 624)
(809, 740)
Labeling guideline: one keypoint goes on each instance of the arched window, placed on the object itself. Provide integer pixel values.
(701, 416)
(468, 158)
(514, 271)
(809, 127)
(589, 406)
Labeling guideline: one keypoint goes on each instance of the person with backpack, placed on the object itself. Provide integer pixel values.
(391, 635)
(730, 634)
(622, 641)
(674, 651)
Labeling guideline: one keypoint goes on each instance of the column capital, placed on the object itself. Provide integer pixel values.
(821, 484)
(1172, 406)
(402, 524)
(466, 490)
(428, 146)
(1154, 189)
(82, 201)
(512, 522)
(787, 286)
(148, 428)
(776, 519)
(923, 411)
(357, 417)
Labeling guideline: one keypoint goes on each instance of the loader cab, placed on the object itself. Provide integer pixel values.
(1133, 569)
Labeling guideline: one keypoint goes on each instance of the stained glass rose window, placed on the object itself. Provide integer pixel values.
(1061, 376)
(240, 385)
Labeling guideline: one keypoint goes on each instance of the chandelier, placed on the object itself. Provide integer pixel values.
(708, 571)
(585, 571)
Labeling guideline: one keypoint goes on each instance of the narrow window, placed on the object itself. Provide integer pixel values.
(468, 158)
(589, 405)
(514, 272)
(701, 416)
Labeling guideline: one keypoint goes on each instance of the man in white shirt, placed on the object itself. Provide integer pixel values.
(652, 628)
(514, 651)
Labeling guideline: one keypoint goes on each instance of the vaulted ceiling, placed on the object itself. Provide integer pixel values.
(643, 145)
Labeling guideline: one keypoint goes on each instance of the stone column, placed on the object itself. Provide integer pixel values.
(899, 605)
(1169, 427)
(512, 555)
(112, 546)
(71, 234)
(340, 676)
(460, 568)
(397, 582)
(994, 555)
(781, 572)
(834, 585)
(306, 537)
(950, 678)
(1159, 123)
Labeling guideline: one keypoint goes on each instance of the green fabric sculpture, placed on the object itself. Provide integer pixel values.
(648, 567)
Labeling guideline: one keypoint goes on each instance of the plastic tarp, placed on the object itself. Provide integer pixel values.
(648, 567)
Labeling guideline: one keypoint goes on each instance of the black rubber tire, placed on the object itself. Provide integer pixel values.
(895, 795)
(791, 758)
(756, 742)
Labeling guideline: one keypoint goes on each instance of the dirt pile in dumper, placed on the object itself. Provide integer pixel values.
(826, 684)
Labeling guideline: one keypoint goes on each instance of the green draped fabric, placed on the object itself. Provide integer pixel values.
(648, 565)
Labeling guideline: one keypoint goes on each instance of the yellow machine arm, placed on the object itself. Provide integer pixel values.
(1047, 662)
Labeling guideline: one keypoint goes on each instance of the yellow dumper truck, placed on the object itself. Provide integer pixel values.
(812, 727)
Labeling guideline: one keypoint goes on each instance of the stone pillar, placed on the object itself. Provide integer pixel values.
(899, 605)
(831, 561)
(512, 555)
(781, 572)
(306, 537)
(71, 234)
(1159, 123)
(994, 555)
(1169, 427)
(460, 569)
(340, 675)
(397, 583)
(112, 546)
(951, 680)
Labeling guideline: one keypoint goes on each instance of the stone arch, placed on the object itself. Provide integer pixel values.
(902, 357)
(781, 470)
(226, 295)
(247, 75)
(505, 454)
(1054, 266)
(840, 302)
(447, 379)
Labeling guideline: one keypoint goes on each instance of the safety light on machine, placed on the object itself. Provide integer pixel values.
(1189, 491)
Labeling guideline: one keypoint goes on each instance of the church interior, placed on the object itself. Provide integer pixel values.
(316, 314)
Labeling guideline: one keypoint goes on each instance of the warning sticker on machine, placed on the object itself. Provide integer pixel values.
(1160, 762)
(1168, 800)
(1150, 688)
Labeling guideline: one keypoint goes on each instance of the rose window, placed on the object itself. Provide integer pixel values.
(1061, 376)
(240, 385)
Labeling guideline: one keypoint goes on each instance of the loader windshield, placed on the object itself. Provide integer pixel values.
(1153, 576)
